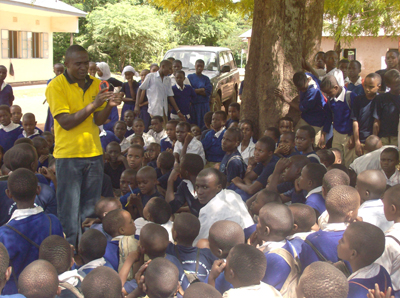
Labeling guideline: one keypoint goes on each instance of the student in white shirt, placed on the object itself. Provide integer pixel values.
(186, 143)
(247, 146)
(389, 161)
(138, 128)
(177, 65)
(219, 204)
(391, 256)
(371, 185)
(156, 129)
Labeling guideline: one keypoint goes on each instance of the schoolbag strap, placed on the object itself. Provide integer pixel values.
(394, 238)
(197, 259)
(358, 284)
(319, 255)
(70, 287)
(23, 236)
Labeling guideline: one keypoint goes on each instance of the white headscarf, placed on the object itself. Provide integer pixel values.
(128, 68)
(105, 69)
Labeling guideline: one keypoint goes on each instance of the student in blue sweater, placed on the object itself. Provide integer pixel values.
(102, 282)
(27, 220)
(212, 141)
(196, 262)
(310, 181)
(232, 165)
(304, 140)
(361, 245)
(117, 223)
(342, 203)
(9, 131)
(165, 164)
(203, 88)
(169, 141)
(29, 127)
(184, 96)
(311, 103)
(338, 111)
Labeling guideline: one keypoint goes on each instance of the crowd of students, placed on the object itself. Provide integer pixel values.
(192, 203)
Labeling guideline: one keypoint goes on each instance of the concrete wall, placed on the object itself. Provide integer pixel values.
(370, 51)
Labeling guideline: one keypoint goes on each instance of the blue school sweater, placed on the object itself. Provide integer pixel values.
(362, 281)
(145, 198)
(165, 144)
(36, 227)
(99, 227)
(113, 118)
(163, 181)
(183, 98)
(338, 112)
(362, 112)
(212, 146)
(387, 111)
(249, 231)
(88, 270)
(232, 166)
(7, 139)
(297, 244)
(112, 253)
(317, 202)
(326, 242)
(6, 96)
(21, 136)
(188, 257)
(17, 296)
(229, 122)
(277, 268)
(107, 139)
(311, 105)
(198, 82)
(221, 284)
(124, 198)
(182, 196)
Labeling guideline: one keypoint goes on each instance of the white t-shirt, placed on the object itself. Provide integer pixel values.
(141, 222)
(257, 291)
(195, 147)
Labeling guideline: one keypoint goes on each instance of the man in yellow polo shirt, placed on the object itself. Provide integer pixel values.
(78, 109)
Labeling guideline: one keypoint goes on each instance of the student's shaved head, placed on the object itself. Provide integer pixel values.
(278, 218)
(201, 290)
(321, 279)
(372, 143)
(4, 261)
(329, 82)
(148, 172)
(154, 239)
(268, 196)
(23, 185)
(225, 234)
(161, 278)
(193, 163)
(56, 250)
(102, 282)
(107, 204)
(374, 181)
(113, 221)
(217, 175)
(28, 117)
(334, 178)
(304, 216)
(393, 194)
(20, 156)
(92, 245)
(187, 227)
(38, 280)
(341, 200)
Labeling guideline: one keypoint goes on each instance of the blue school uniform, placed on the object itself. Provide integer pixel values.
(362, 112)
(201, 104)
(113, 118)
(221, 284)
(232, 166)
(229, 122)
(7, 138)
(313, 157)
(311, 105)
(183, 98)
(165, 144)
(188, 256)
(316, 201)
(387, 111)
(106, 137)
(212, 146)
(49, 123)
(129, 132)
(277, 269)
(86, 271)
(124, 198)
(37, 133)
(112, 253)
(297, 243)
(129, 105)
(36, 227)
(6, 95)
(296, 197)
(13, 296)
(365, 278)
(204, 133)
(99, 227)
(163, 181)
(326, 241)
(185, 194)
(145, 198)
(339, 112)
(249, 231)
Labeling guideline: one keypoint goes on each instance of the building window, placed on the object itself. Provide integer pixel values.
(25, 45)
(349, 54)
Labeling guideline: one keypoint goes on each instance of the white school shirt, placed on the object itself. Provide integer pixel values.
(301, 235)
(257, 291)
(226, 205)
(9, 127)
(173, 81)
(330, 227)
(390, 258)
(369, 161)
(367, 272)
(148, 139)
(35, 132)
(248, 152)
(92, 264)
(20, 214)
(157, 92)
(195, 147)
(141, 222)
(71, 277)
(338, 74)
(270, 245)
(372, 212)
(313, 191)
(125, 144)
(359, 81)
(157, 135)
(394, 179)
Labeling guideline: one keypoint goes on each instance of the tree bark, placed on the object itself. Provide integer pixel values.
(283, 32)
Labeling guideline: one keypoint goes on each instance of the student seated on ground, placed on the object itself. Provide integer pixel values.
(29, 127)
(191, 165)
(391, 256)
(327, 157)
(342, 203)
(39, 279)
(115, 164)
(157, 131)
(371, 185)
(201, 290)
(275, 223)
(169, 141)
(196, 262)
(273, 133)
(223, 236)
(219, 203)
(213, 139)
(247, 146)
(286, 146)
(102, 282)
(102, 207)
(304, 140)
(244, 268)
(361, 245)
(138, 128)
(91, 249)
(322, 279)
(389, 161)
(59, 253)
(304, 220)
(117, 223)
(28, 220)
(186, 143)
(151, 155)
(165, 164)
(207, 124)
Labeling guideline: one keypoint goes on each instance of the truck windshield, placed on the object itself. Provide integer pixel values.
(189, 59)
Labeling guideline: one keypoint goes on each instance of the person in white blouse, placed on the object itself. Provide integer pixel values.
(247, 146)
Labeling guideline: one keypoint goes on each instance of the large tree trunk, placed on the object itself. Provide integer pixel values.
(283, 32)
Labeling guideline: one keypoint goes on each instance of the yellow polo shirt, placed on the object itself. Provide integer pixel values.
(65, 96)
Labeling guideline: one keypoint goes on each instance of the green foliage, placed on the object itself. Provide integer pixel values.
(61, 42)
